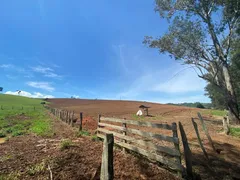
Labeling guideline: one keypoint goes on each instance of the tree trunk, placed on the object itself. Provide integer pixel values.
(226, 126)
(230, 93)
(230, 97)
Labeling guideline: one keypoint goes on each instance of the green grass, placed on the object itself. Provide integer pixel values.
(83, 133)
(37, 168)
(11, 176)
(235, 131)
(17, 102)
(218, 112)
(27, 116)
(95, 138)
(214, 112)
(134, 116)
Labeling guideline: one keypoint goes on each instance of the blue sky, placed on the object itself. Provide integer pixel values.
(89, 49)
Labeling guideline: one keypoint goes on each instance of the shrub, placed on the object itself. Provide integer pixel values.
(2, 134)
(32, 170)
(65, 144)
(199, 105)
(18, 133)
(95, 138)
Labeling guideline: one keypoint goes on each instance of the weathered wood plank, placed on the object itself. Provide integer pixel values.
(139, 123)
(175, 134)
(187, 151)
(112, 126)
(107, 158)
(142, 133)
(152, 156)
(152, 135)
(150, 145)
(199, 139)
(206, 132)
(173, 165)
(124, 125)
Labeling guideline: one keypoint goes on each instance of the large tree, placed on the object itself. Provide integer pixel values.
(216, 96)
(200, 34)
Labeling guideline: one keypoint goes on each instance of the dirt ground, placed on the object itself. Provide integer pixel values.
(34, 157)
(220, 165)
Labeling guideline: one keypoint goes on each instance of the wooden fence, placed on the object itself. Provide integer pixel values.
(126, 133)
(2, 107)
(66, 116)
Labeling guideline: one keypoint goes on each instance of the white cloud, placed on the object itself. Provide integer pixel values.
(182, 99)
(13, 67)
(41, 69)
(41, 85)
(6, 66)
(11, 77)
(29, 76)
(28, 94)
(166, 82)
(153, 74)
(53, 75)
(75, 96)
(46, 71)
(186, 81)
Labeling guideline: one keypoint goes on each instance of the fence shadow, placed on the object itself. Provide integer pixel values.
(219, 165)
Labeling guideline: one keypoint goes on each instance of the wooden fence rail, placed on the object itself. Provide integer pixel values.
(125, 137)
(66, 116)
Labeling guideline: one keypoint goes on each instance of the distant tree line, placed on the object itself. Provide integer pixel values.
(195, 105)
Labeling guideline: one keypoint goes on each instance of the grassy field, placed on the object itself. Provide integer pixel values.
(214, 112)
(22, 115)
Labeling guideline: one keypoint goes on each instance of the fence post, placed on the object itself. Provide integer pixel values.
(72, 118)
(107, 158)
(199, 139)
(226, 126)
(176, 145)
(66, 116)
(187, 151)
(99, 119)
(124, 125)
(69, 118)
(81, 118)
(206, 131)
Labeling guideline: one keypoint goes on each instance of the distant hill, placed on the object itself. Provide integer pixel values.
(195, 105)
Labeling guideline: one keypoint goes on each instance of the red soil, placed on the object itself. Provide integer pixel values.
(220, 165)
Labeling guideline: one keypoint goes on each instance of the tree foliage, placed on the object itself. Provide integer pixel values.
(200, 39)
(216, 96)
(1, 88)
(195, 104)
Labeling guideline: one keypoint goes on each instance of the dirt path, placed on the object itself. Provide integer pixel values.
(33, 157)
